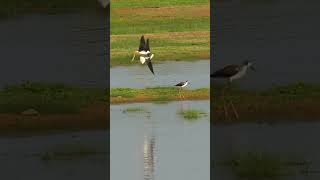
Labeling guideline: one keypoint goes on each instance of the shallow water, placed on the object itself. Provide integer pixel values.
(297, 140)
(281, 37)
(159, 144)
(167, 73)
(24, 156)
(67, 48)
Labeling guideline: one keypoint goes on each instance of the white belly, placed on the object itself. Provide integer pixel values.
(142, 60)
(241, 73)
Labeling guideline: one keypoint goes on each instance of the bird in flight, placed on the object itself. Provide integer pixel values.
(144, 53)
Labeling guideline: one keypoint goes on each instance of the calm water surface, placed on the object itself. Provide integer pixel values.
(24, 155)
(298, 140)
(159, 144)
(68, 48)
(167, 73)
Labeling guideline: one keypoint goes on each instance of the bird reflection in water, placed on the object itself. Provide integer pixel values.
(149, 151)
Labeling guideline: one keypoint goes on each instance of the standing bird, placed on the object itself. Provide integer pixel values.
(232, 72)
(104, 3)
(144, 52)
(181, 85)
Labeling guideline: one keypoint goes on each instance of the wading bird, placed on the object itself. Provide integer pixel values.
(144, 53)
(104, 3)
(181, 85)
(232, 72)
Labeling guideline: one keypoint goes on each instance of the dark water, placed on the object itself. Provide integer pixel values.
(281, 37)
(21, 157)
(67, 48)
(159, 144)
(296, 140)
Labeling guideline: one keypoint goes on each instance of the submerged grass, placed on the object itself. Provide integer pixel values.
(134, 109)
(180, 25)
(69, 152)
(192, 114)
(258, 165)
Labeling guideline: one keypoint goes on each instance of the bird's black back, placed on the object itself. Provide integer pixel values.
(180, 84)
(226, 72)
(142, 45)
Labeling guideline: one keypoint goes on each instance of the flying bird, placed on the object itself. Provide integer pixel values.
(231, 73)
(144, 53)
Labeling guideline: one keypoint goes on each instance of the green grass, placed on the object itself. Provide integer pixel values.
(128, 23)
(47, 98)
(155, 3)
(123, 92)
(155, 94)
(192, 114)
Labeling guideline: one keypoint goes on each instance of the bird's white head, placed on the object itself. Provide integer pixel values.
(248, 64)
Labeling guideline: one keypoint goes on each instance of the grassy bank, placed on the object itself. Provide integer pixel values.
(59, 107)
(9, 8)
(172, 26)
(298, 101)
(155, 94)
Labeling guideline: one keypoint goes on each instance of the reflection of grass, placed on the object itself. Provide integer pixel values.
(180, 25)
(192, 114)
(299, 100)
(47, 98)
(69, 152)
(156, 94)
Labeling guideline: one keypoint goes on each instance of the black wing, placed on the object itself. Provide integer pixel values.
(180, 84)
(147, 45)
(150, 65)
(142, 45)
(226, 72)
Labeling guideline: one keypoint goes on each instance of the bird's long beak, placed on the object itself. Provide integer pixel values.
(252, 68)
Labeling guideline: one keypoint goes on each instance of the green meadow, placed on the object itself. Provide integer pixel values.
(178, 30)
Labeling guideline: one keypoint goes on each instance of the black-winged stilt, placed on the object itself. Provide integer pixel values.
(182, 85)
(145, 53)
(232, 72)
(104, 3)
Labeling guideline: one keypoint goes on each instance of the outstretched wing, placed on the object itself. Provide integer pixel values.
(142, 45)
(226, 72)
(150, 65)
(147, 45)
